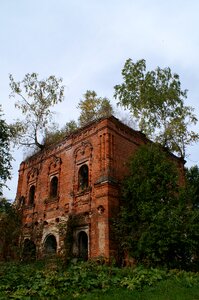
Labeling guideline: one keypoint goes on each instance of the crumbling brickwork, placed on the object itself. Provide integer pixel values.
(79, 176)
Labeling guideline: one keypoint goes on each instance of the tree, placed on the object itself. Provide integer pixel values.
(34, 99)
(55, 135)
(5, 156)
(93, 108)
(156, 101)
(70, 127)
(192, 179)
(10, 228)
(155, 225)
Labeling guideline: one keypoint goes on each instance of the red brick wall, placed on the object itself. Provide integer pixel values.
(105, 147)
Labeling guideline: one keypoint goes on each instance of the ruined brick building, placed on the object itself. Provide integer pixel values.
(78, 176)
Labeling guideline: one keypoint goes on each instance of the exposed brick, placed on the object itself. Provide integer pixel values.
(104, 146)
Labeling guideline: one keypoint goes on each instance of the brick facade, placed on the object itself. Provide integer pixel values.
(78, 177)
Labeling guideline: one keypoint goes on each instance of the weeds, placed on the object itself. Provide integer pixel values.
(33, 281)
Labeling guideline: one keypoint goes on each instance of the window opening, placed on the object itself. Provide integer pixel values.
(54, 187)
(83, 245)
(50, 245)
(32, 195)
(83, 177)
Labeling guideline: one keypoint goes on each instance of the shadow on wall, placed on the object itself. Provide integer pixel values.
(29, 250)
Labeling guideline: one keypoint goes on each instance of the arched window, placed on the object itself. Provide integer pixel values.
(83, 177)
(32, 195)
(50, 244)
(83, 245)
(54, 187)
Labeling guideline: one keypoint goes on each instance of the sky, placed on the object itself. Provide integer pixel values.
(86, 42)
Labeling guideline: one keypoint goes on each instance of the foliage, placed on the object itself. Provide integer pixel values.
(142, 277)
(5, 156)
(34, 99)
(156, 100)
(10, 226)
(39, 281)
(70, 127)
(55, 135)
(192, 178)
(68, 241)
(93, 108)
(154, 224)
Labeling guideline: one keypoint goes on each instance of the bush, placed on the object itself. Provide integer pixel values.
(38, 281)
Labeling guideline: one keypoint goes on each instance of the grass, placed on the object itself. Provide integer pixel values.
(165, 290)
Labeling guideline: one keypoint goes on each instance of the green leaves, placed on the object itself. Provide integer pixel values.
(5, 155)
(10, 227)
(192, 191)
(91, 281)
(19, 281)
(93, 108)
(156, 101)
(151, 170)
(157, 224)
(34, 98)
(53, 134)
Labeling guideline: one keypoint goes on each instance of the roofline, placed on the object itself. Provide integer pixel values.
(97, 121)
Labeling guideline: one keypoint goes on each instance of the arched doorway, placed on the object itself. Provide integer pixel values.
(29, 250)
(83, 245)
(50, 245)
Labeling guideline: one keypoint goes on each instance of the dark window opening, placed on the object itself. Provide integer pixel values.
(29, 250)
(83, 177)
(32, 195)
(50, 245)
(54, 187)
(83, 245)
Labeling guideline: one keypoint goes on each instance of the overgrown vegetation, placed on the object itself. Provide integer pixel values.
(93, 107)
(55, 135)
(10, 229)
(192, 186)
(159, 220)
(35, 98)
(158, 223)
(157, 101)
(53, 281)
